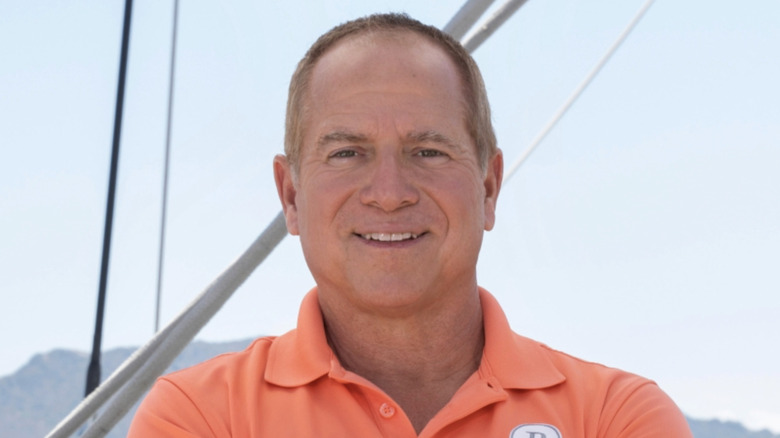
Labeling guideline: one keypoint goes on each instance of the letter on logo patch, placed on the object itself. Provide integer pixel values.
(535, 431)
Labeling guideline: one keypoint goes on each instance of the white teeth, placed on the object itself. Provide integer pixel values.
(389, 237)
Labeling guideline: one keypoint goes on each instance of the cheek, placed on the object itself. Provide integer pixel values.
(463, 210)
(465, 195)
(320, 204)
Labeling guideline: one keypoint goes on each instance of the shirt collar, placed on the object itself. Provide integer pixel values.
(515, 361)
(303, 355)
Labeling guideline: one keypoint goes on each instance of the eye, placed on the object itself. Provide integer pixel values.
(429, 153)
(432, 156)
(345, 157)
(343, 153)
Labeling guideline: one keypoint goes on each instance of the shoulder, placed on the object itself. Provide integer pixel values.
(225, 368)
(625, 404)
(591, 380)
(195, 401)
(591, 374)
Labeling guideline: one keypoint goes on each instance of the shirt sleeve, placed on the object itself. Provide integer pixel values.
(168, 412)
(645, 412)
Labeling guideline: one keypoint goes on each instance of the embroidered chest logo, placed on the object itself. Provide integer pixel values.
(535, 431)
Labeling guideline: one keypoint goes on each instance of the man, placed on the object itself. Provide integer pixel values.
(390, 178)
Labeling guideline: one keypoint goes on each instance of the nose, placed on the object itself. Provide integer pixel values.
(389, 185)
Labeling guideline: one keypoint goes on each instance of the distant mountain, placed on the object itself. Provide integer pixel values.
(728, 429)
(39, 395)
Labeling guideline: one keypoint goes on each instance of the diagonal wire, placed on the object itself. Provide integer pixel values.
(577, 92)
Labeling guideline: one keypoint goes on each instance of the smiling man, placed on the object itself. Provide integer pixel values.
(390, 177)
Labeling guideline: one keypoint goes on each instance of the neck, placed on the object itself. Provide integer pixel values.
(420, 360)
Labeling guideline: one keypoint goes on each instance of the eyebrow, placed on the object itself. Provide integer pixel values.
(341, 136)
(434, 137)
(414, 137)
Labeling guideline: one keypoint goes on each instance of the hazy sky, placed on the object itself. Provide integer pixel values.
(643, 233)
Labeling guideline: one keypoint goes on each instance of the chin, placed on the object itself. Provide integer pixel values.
(395, 299)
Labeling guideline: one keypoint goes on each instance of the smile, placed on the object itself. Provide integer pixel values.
(389, 237)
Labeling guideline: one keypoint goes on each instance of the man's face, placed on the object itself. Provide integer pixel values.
(389, 199)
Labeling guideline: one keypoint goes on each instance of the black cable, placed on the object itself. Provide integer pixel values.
(93, 373)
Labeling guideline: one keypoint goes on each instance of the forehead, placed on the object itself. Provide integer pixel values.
(380, 68)
(385, 55)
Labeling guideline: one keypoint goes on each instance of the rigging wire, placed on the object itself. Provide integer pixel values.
(93, 371)
(164, 209)
(577, 92)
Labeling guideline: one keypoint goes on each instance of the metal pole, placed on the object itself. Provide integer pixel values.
(186, 326)
(467, 15)
(502, 14)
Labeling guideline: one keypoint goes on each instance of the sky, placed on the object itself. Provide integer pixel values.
(643, 233)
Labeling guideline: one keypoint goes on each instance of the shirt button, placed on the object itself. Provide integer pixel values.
(386, 410)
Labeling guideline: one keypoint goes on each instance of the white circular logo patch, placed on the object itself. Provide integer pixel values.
(535, 431)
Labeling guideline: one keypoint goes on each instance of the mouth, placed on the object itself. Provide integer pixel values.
(389, 237)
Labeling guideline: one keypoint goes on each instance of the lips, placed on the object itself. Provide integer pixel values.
(389, 237)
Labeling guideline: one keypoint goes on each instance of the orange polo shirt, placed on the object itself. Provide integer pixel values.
(294, 386)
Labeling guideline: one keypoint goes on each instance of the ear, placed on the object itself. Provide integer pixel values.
(493, 178)
(285, 187)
